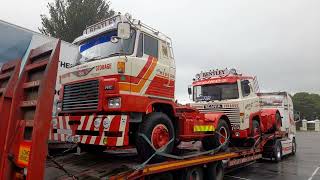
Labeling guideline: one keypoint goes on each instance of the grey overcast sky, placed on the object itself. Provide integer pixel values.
(279, 41)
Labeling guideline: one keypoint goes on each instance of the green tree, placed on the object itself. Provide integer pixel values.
(68, 18)
(307, 104)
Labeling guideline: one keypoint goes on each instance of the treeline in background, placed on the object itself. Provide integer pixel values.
(308, 105)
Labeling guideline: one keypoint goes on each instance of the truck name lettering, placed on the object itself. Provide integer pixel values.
(103, 67)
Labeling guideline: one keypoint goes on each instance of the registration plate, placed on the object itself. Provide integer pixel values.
(64, 131)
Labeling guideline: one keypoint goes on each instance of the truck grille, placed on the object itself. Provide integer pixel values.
(81, 96)
(233, 113)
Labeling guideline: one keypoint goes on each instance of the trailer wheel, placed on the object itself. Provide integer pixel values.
(158, 128)
(214, 171)
(194, 173)
(277, 151)
(216, 140)
(294, 146)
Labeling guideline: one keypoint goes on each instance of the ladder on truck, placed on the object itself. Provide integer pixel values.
(25, 142)
(9, 73)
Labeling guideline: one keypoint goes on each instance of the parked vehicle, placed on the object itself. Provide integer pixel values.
(121, 92)
(232, 100)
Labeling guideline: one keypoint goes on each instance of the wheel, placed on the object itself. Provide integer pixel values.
(294, 146)
(214, 171)
(220, 137)
(158, 128)
(277, 151)
(194, 173)
(255, 131)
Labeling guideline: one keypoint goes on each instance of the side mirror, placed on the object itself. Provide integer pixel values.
(124, 30)
(189, 90)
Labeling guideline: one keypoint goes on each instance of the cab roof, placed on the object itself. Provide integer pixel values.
(112, 23)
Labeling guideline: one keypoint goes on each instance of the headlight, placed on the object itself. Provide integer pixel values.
(114, 102)
(97, 122)
(106, 122)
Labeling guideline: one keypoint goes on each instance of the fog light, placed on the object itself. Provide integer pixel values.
(237, 134)
(114, 102)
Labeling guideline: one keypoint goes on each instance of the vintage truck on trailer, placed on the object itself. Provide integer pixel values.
(232, 100)
(123, 87)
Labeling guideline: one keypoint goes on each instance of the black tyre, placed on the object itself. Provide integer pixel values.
(255, 132)
(158, 128)
(277, 151)
(294, 147)
(194, 173)
(214, 171)
(219, 138)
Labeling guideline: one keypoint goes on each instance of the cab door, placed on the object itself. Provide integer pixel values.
(249, 103)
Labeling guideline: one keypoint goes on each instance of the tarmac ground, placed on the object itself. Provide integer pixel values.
(305, 165)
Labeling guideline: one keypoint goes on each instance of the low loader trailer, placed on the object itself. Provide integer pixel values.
(120, 96)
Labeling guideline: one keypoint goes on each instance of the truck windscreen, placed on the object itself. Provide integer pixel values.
(101, 46)
(216, 92)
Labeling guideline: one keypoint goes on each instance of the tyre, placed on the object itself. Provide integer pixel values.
(214, 171)
(255, 131)
(277, 151)
(294, 146)
(194, 173)
(158, 128)
(219, 138)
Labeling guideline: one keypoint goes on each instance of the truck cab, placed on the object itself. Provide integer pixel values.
(233, 98)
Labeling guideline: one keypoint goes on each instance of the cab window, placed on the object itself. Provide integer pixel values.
(245, 88)
(150, 45)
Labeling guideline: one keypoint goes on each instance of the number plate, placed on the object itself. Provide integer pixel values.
(64, 131)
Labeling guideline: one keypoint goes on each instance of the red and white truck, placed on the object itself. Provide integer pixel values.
(123, 88)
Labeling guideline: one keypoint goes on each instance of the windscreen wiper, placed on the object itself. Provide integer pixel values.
(94, 58)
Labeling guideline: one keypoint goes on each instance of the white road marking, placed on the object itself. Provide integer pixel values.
(314, 173)
(236, 177)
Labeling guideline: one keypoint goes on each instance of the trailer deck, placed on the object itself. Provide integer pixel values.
(112, 165)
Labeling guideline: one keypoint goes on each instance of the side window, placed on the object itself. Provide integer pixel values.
(150, 46)
(140, 46)
(164, 50)
(245, 88)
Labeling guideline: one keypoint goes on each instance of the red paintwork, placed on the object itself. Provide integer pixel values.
(41, 108)
(6, 95)
(160, 136)
(218, 80)
(268, 119)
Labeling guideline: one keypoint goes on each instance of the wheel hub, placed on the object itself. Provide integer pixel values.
(160, 136)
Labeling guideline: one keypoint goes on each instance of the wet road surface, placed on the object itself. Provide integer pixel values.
(305, 165)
